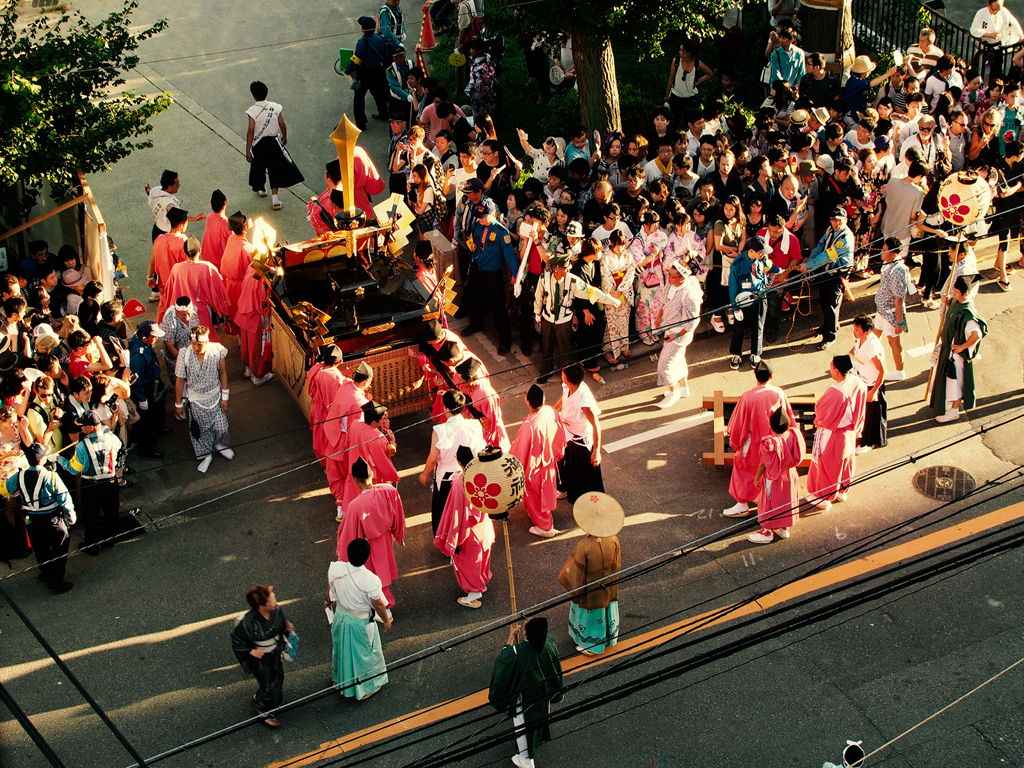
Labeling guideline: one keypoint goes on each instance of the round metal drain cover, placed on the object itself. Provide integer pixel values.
(944, 483)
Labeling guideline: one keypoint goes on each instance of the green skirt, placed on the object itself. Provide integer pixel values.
(595, 629)
(358, 666)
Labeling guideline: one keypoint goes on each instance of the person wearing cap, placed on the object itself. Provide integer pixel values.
(828, 264)
(398, 181)
(482, 398)
(459, 428)
(201, 282)
(595, 560)
(747, 425)
(750, 273)
(168, 250)
(342, 412)
(525, 682)
(74, 282)
(369, 61)
(885, 162)
(238, 257)
(438, 370)
(962, 332)
(49, 511)
(95, 459)
(678, 319)
(355, 596)
(466, 534)
(403, 98)
(177, 324)
(778, 500)
(323, 379)
(367, 180)
(201, 367)
(148, 390)
(253, 321)
(216, 232)
(857, 85)
(375, 513)
(539, 446)
(838, 420)
(491, 249)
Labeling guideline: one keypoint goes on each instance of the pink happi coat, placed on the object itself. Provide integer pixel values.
(483, 397)
(237, 259)
(377, 516)
(466, 535)
(344, 411)
(252, 317)
(322, 384)
(748, 424)
(779, 497)
(370, 444)
(202, 283)
(539, 445)
(838, 420)
(434, 380)
(168, 250)
(215, 236)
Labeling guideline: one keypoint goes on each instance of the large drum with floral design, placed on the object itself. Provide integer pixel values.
(494, 482)
(964, 198)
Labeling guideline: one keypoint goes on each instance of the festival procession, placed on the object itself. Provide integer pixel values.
(508, 353)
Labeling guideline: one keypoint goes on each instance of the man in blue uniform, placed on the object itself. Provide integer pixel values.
(148, 389)
(95, 460)
(50, 510)
(391, 25)
(369, 64)
(490, 246)
(831, 261)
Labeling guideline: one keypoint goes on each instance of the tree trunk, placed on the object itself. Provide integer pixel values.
(594, 61)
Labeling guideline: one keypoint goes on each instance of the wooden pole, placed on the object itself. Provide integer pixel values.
(511, 581)
(942, 321)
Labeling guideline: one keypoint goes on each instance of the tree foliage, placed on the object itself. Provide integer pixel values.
(61, 106)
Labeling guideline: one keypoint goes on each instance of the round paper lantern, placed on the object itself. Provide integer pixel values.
(964, 198)
(494, 482)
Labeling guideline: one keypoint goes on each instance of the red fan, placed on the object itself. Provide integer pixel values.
(134, 308)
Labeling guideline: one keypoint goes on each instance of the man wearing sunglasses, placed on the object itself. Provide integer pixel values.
(930, 140)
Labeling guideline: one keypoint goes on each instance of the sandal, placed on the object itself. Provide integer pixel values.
(125, 483)
(611, 360)
(1004, 285)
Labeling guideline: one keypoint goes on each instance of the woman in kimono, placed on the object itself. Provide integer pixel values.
(648, 251)
(678, 320)
(618, 272)
(257, 641)
(202, 378)
(778, 498)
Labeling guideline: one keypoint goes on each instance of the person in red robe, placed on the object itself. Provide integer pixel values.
(215, 236)
(436, 355)
(778, 498)
(367, 181)
(202, 283)
(255, 338)
(367, 440)
(322, 383)
(838, 422)
(748, 424)
(539, 445)
(466, 535)
(238, 256)
(344, 410)
(485, 401)
(375, 514)
(168, 250)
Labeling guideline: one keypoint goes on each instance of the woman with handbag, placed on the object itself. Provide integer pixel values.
(354, 597)
(258, 640)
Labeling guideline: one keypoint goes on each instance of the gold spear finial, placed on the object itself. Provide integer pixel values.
(344, 138)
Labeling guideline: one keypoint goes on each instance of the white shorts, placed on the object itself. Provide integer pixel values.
(887, 328)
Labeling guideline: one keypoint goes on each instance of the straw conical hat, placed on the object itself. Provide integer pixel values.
(598, 514)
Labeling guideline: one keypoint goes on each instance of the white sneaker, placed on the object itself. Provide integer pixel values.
(154, 295)
(717, 324)
(782, 533)
(863, 449)
(895, 375)
(822, 505)
(339, 513)
(260, 380)
(227, 453)
(951, 415)
(739, 509)
(248, 372)
(262, 193)
(764, 536)
(684, 392)
(522, 762)
(671, 398)
(205, 464)
(842, 496)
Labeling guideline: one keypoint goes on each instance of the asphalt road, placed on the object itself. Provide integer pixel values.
(145, 628)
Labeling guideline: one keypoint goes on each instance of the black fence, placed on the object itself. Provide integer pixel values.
(888, 25)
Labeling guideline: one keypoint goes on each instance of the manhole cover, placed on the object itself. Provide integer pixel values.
(943, 483)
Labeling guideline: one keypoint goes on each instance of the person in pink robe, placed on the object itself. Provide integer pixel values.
(367, 181)
(484, 400)
(201, 282)
(345, 410)
(323, 380)
(778, 499)
(366, 440)
(748, 424)
(254, 333)
(539, 445)
(238, 256)
(375, 514)
(466, 535)
(215, 236)
(168, 250)
(838, 422)
(444, 346)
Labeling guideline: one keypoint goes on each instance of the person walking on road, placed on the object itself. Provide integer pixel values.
(369, 66)
(258, 641)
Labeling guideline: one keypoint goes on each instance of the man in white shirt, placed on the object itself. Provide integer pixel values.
(579, 470)
(612, 221)
(915, 111)
(996, 26)
(931, 141)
